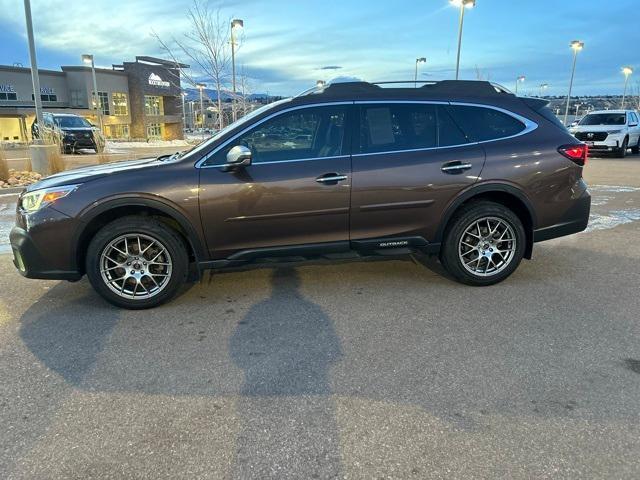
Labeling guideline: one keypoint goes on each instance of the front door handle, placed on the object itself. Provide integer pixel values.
(331, 178)
(455, 167)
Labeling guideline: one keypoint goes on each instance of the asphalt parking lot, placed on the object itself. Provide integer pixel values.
(377, 369)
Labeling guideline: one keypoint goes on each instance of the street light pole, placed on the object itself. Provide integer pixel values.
(576, 45)
(236, 23)
(184, 113)
(519, 79)
(201, 88)
(415, 78)
(35, 79)
(543, 87)
(88, 59)
(462, 4)
(627, 72)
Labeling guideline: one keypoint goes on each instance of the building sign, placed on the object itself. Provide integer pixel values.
(156, 81)
(7, 88)
(47, 91)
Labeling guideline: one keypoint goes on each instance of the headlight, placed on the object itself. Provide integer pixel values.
(37, 199)
(612, 132)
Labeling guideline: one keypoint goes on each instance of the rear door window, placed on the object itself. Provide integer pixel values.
(396, 127)
(482, 124)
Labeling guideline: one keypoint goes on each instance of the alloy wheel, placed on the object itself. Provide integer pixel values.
(135, 266)
(487, 246)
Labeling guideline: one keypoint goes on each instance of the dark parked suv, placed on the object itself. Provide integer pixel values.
(460, 169)
(71, 132)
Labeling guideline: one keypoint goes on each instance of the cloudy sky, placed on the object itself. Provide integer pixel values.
(287, 43)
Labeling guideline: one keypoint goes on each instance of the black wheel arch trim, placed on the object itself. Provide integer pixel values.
(489, 187)
(193, 236)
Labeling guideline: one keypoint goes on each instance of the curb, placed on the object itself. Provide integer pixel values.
(12, 190)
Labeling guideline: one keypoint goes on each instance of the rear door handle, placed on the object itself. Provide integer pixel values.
(455, 167)
(331, 178)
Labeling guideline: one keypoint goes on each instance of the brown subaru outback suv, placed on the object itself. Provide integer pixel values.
(460, 169)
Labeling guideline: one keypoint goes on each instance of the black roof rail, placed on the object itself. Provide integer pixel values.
(442, 87)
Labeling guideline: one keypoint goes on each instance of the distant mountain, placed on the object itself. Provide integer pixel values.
(193, 94)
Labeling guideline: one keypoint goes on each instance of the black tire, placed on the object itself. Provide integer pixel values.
(635, 150)
(153, 229)
(464, 218)
(622, 151)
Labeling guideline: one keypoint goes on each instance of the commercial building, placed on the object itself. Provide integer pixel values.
(137, 100)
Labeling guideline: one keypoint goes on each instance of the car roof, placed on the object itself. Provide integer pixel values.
(438, 91)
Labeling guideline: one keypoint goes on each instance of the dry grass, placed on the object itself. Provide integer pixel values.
(4, 167)
(56, 162)
(103, 158)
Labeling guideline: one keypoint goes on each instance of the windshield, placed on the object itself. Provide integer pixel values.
(203, 145)
(71, 122)
(604, 119)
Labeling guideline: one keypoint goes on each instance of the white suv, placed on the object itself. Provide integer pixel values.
(609, 131)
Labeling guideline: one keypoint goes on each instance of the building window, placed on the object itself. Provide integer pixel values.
(154, 131)
(8, 96)
(103, 102)
(118, 131)
(46, 98)
(120, 103)
(153, 105)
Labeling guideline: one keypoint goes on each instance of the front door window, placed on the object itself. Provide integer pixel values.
(314, 132)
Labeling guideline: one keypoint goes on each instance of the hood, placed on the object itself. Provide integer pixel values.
(76, 129)
(596, 128)
(86, 174)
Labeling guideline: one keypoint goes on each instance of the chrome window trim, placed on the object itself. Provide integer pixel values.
(310, 159)
(530, 126)
(200, 163)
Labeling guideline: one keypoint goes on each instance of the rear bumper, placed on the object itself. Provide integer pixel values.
(575, 220)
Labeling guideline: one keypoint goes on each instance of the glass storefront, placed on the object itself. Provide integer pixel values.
(155, 131)
(117, 131)
(153, 105)
(13, 129)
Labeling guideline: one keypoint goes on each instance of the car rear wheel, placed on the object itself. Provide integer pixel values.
(635, 150)
(137, 262)
(484, 244)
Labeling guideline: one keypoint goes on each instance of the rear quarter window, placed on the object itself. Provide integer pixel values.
(481, 123)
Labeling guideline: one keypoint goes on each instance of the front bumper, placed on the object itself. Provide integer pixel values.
(611, 144)
(41, 245)
(77, 143)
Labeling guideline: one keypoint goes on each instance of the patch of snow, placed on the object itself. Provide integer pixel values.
(612, 219)
(613, 188)
(117, 147)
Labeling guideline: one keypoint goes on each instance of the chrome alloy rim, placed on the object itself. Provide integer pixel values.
(487, 246)
(135, 266)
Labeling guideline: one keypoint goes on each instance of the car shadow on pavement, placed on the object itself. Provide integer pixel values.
(286, 410)
(68, 337)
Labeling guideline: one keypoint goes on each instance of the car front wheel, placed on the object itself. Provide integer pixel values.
(622, 151)
(137, 262)
(484, 244)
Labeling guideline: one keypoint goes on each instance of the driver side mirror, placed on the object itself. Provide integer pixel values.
(238, 156)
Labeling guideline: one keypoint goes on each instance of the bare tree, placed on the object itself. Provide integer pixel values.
(244, 91)
(206, 46)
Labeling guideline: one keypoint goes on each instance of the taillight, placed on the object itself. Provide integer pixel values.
(576, 153)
